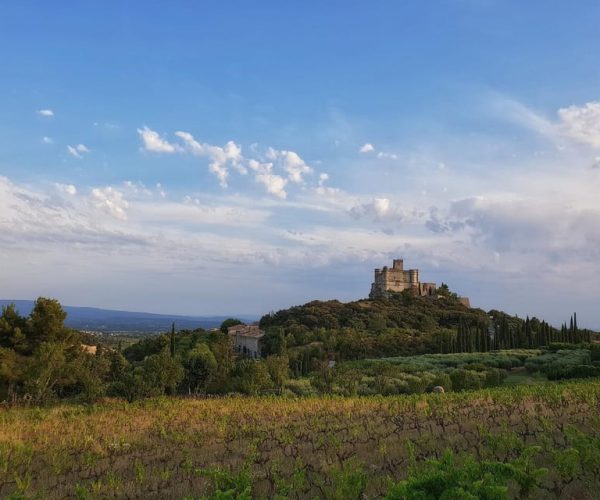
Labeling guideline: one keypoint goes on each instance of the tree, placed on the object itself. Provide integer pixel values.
(12, 326)
(172, 340)
(11, 367)
(46, 322)
(278, 368)
(162, 373)
(222, 348)
(228, 323)
(273, 342)
(48, 370)
(200, 365)
(92, 372)
(251, 377)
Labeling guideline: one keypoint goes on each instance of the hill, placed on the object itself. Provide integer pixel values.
(402, 325)
(108, 320)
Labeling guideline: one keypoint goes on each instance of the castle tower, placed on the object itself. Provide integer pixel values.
(396, 279)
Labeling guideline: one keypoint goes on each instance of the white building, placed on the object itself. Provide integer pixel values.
(246, 339)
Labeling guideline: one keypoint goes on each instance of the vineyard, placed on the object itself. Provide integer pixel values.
(325, 447)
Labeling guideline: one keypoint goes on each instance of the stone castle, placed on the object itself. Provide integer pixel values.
(396, 279)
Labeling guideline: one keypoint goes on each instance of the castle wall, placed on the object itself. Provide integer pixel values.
(397, 279)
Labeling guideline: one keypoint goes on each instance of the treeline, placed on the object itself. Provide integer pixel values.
(42, 360)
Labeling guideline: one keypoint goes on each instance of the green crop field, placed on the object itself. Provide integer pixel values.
(318, 447)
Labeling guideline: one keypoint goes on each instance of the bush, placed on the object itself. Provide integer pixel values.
(454, 477)
(466, 379)
(300, 387)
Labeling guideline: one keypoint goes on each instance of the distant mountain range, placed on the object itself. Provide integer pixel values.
(107, 320)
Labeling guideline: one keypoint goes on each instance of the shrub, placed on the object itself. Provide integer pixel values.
(454, 477)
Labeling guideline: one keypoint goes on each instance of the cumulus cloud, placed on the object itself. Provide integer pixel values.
(47, 140)
(576, 123)
(221, 158)
(78, 151)
(69, 189)
(152, 141)
(273, 183)
(382, 155)
(582, 123)
(45, 112)
(290, 162)
(273, 170)
(383, 209)
(111, 201)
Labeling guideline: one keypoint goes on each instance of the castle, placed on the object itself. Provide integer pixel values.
(397, 279)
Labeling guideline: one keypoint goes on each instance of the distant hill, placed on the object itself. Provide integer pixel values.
(107, 320)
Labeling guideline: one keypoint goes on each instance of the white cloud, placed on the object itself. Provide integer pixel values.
(220, 158)
(47, 140)
(387, 156)
(111, 201)
(369, 148)
(381, 206)
(273, 183)
(45, 112)
(291, 162)
(69, 189)
(582, 123)
(384, 210)
(224, 160)
(78, 151)
(155, 143)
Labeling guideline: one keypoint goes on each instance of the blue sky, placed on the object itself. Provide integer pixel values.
(240, 157)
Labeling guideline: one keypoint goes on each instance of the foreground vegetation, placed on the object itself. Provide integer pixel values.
(542, 441)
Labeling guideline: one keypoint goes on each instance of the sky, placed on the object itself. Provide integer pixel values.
(242, 157)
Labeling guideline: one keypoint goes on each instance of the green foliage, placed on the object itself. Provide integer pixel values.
(47, 321)
(200, 365)
(229, 323)
(564, 364)
(462, 477)
(278, 368)
(347, 482)
(401, 325)
(227, 485)
(251, 377)
(162, 372)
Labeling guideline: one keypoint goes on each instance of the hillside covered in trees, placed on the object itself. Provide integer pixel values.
(406, 324)
(315, 348)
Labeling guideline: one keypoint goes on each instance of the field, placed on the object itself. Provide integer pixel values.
(325, 447)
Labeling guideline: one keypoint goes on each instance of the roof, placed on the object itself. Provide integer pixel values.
(246, 331)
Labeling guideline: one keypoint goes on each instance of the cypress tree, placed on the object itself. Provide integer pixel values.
(173, 340)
